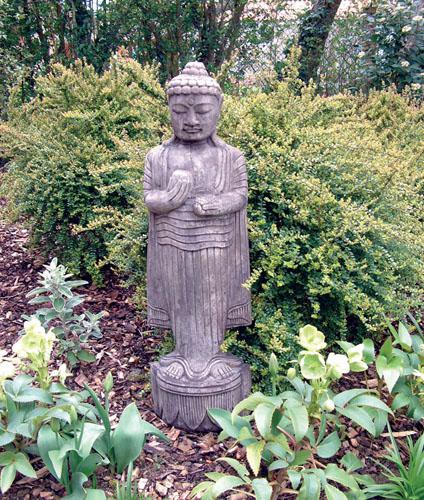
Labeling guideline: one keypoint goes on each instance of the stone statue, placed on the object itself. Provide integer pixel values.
(195, 187)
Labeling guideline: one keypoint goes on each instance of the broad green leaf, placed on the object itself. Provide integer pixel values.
(6, 437)
(149, 428)
(299, 419)
(237, 466)
(254, 455)
(278, 464)
(295, 478)
(278, 449)
(86, 356)
(201, 488)
(390, 369)
(90, 433)
(334, 493)
(77, 487)
(371, 401)
(263, 417)
(23, 465)
(224, 419)
(252, 401)
(128, 437)
(329, 446)
(334, 473)
(400, 401)
(311, 488)
(351, 462)
(214, 476)
(7, 457)
(369, 351)
(47, 442)
(360, 417)
(300, 457)
(404, 336)
(344, 397)
(262, 489)
(7, 477)
(226, 483)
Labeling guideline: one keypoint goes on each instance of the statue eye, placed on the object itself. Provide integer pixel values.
(203, 108)
(179, 108)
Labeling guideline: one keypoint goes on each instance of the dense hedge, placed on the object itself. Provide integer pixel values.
(69, 148)
(336, 193)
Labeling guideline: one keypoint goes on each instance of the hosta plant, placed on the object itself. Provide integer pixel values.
(58, 312)
(400, 364)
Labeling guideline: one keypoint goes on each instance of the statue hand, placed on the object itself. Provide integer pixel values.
(208, 205)
(179, 187)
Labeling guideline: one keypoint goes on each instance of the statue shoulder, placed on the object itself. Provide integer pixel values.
(236, 154)
(155, 153)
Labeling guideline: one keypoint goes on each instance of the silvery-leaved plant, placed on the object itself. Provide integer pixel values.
(58, 312)
(286, 434)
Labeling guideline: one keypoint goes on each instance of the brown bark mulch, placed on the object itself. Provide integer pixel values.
(164, 470)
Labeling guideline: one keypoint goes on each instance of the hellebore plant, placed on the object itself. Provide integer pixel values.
(291, 430)
(400, 364)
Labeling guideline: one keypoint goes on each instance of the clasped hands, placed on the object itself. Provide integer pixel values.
(178, 190)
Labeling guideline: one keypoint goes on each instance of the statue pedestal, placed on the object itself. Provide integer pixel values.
(182, 395)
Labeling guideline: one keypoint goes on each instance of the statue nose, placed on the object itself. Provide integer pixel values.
(192, 118)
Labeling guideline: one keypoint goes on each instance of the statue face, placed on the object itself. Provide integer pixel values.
(194, 116)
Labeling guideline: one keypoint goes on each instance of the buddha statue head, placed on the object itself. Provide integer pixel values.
(195, 101)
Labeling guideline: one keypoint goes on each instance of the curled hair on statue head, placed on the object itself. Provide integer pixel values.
(194, 79)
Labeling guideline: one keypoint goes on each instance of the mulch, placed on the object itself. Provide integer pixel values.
(164, 470)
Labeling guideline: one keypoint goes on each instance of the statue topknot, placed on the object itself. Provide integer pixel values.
(194, 79)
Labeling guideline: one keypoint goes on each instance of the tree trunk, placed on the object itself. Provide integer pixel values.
(314, 31)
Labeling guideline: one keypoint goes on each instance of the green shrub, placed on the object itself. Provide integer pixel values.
(335, 194)
(69, 149)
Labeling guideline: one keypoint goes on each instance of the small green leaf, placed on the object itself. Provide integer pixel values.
(334, 493)
(263, 417)
(224, 484)
(58, 304)
(404, 336)
(334, 473)
(310, 489)
(7, 477)
(237, 466)
(329, 446)
(23, 465)
(262, 489)
(359, 416)
(86, 356)
(298, 416)
(351, 462)
(254, 455)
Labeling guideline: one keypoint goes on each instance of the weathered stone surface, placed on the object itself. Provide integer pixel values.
(195, 187)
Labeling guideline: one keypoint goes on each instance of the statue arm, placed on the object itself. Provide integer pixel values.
(233, 200)
(162, 201)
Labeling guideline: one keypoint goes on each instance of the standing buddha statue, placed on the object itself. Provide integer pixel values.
(195, 188)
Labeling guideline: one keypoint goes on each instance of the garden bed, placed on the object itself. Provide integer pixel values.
(127, 348)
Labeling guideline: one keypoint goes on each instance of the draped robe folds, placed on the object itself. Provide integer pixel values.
(196, 265)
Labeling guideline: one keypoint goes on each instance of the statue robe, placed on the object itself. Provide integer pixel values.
(196, 265)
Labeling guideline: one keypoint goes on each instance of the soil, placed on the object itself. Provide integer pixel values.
(164, 470)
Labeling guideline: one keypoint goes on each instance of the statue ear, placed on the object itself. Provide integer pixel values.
(220, 98)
